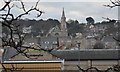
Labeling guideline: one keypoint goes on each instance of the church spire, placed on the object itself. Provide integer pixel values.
(63, 14)
(63, 25)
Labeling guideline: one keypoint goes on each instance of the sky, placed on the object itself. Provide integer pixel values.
(74, 9)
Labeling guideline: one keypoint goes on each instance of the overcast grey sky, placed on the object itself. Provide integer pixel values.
(74, 9)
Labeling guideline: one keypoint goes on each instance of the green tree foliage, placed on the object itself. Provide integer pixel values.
(74, 27)
(90, 20)
(38, 26)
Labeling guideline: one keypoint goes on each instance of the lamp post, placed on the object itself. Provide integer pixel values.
(79, 52)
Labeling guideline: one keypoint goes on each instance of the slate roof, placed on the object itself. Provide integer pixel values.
(82, 54)
(88, 54)
(8, 53)
(108, 39)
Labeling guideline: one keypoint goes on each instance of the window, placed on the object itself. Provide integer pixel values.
(54, 42)
(69, 41)
(46, 42)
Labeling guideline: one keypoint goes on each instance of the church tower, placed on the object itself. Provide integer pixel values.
(63, 25)
(60, 31)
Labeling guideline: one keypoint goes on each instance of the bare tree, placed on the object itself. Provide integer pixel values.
(114, 3)
(8, 19)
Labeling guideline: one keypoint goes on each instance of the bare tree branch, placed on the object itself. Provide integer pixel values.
(23, 6)
(8, 19)
(6, 4)
(110, 20)
(114, 3)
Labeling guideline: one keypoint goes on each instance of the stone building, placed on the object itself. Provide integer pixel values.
(56, 36)
(60, 31)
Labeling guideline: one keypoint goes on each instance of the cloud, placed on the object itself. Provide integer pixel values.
(74, 0)
(73, 10)
(63, 0)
